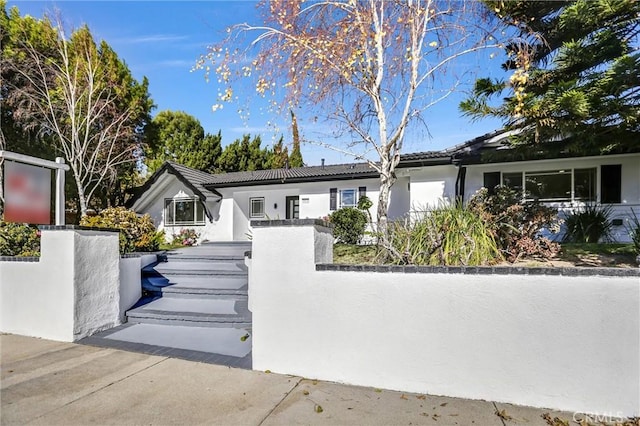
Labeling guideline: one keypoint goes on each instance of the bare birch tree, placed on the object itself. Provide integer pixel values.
(69, 93)
(373, 67)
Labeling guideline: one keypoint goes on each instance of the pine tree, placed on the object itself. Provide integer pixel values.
(575, 74)
(295, 159)
(278, 156)
(244, 154)
(179, 137)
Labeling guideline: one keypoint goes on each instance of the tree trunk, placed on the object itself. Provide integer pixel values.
(82, 201)
(1, 187)
(387, 179)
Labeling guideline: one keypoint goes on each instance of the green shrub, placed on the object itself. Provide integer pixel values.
(634, 232)
(349, 224)
(448, 235)
(18, 239)
(517, 225)
(589, 224)
(137, 233)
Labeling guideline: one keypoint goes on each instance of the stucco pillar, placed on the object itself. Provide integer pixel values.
(284, 255)
(70, 292)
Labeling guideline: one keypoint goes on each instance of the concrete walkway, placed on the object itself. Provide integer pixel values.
(53, 383)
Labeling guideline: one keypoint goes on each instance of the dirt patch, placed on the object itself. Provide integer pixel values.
(581, 260)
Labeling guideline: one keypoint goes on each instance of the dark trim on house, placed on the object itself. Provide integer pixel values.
(171, 169)
(490, 148)
(372, 175)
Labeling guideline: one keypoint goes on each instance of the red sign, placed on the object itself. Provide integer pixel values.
(27, 193)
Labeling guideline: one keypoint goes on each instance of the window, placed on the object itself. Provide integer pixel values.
(491, 180)
(256, 207)
(611, 183)
(584, 184)
(183, 211)
(348, 198)
(554, 185)
(548, 186)
(513, 181)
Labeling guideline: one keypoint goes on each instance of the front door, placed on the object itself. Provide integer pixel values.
(293, 207)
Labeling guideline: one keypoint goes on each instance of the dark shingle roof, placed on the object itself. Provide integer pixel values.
(293, 175)
(457, 151)
(205, 184)
(193, 179)
(196, 178)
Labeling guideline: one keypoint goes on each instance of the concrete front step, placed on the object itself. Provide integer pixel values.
(191, 265)
(227, 244)
(204, 312)
(211, 258)
(219, 345)
(193, 284)
(216, 248)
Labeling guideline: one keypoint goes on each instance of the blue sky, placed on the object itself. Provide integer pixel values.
(163, 39)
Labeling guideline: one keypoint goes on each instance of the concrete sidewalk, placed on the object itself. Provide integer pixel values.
(53, 383)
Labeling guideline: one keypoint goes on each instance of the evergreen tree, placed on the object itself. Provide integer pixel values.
(278, 156)
(179, 137)
(244, 155)
(64, 94)
(295, 159)
(575, 74)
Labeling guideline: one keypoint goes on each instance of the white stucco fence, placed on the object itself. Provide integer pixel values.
(79, 286)
(554, 341)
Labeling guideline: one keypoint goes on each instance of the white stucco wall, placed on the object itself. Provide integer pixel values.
(431, 185)
(400, 198)
(37, 299)
(314, 202)
(630, 190)
(211, 230)
(130, 280)
(96, 282)
(569, 343)
(72, 292)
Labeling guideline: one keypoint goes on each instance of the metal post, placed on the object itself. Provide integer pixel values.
(60, 200)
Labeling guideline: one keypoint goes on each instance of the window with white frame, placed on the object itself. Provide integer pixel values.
(345, 197)
(348, 198)
(554, 185)
(183, 211)
(256, 207)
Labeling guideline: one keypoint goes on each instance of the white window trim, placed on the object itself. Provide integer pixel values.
(251, 214)
(173, 201)
(355, 197)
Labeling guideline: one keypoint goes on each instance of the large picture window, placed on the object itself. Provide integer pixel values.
(554, 185)
(256, 207)
(549, 185)
(183, 211)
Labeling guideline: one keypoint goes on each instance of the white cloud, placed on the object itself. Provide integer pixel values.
(177, 63)
(152, 38)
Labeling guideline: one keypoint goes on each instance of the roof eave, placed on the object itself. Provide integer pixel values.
(168, 168)
(368, 175)
(424, 162)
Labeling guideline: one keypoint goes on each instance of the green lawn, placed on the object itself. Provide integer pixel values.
(354, 255)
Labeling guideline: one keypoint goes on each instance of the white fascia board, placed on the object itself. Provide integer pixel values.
(555, 160)
(149, 196)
